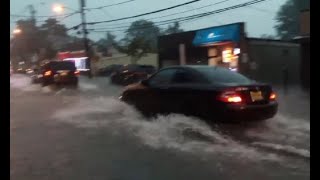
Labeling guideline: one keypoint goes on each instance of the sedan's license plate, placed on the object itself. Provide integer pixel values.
(256, 95)
(64, 74)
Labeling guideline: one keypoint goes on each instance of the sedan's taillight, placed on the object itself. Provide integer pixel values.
(47, 73)
(273, 96)
(77, 73)
(230, 97)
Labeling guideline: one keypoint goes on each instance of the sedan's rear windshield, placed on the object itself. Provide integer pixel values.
(63, 65)
(223, 76)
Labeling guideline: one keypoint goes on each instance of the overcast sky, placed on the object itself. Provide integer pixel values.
(259, 18)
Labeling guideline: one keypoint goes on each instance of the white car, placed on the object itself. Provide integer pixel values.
(29, 71)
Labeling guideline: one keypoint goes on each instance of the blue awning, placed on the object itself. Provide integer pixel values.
(217, 34)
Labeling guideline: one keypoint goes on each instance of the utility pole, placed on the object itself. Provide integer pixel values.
(85, 38)
(32, 13)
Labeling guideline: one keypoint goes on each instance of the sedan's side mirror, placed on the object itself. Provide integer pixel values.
(145, 82)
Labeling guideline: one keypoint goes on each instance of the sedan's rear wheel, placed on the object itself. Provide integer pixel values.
(45, 83)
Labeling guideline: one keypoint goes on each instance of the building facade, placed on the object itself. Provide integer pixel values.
(270, 61)
(304, 40)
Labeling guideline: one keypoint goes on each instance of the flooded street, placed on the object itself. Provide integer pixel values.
(87, 133)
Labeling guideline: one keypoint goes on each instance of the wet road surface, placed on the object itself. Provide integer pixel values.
(86, 133)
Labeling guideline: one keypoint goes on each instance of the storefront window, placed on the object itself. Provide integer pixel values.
(227, 55)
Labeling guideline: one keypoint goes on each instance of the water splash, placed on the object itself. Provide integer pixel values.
(173, 131)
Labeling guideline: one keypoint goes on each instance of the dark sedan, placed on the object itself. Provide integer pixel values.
(107, 71)
(211, 93)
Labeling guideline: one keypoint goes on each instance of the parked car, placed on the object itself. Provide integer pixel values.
(21, 70)
(107, 71)
(131, 74)
(36, 76)
(29, 71)
(59, 72)
(211, 93)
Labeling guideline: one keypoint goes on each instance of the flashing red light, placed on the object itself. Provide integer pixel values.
(230, 97)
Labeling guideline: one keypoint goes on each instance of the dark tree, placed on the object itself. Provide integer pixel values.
(175, 28)
(140, 39)
(105, 44)
(288, 18)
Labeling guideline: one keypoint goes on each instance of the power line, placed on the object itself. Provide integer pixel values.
(144, 27)
(101, 7)
(120, 27)
(139, 15)
(123, 30)
(15, 22)
(105, 13)
(159, 17)
(141, 27)
(74, 27)
(261, 10)
(69, 15)
(43, 21)
(17, 15)
(180, 19)
(148, 26)
(196, 16)
(58, 20)
(26, 7)
(197, 10)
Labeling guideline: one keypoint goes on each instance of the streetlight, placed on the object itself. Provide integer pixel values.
(17, 31)
(58, 8)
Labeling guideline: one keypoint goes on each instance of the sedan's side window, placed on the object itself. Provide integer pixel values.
(185, 77)
(164, 77)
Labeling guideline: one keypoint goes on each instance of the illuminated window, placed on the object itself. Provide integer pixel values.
(227, 55)
(236, 51)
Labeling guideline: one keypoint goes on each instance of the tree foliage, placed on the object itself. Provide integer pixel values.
(145, 30)
(52, 27)
(287, 18)
(44, 40)
(175, 28)
(140, 39)
(105, 44)
(28, 42)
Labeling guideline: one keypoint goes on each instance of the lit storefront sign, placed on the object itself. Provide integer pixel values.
(222, 44)
(71, 54)
(80, 63)
(217, 34)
